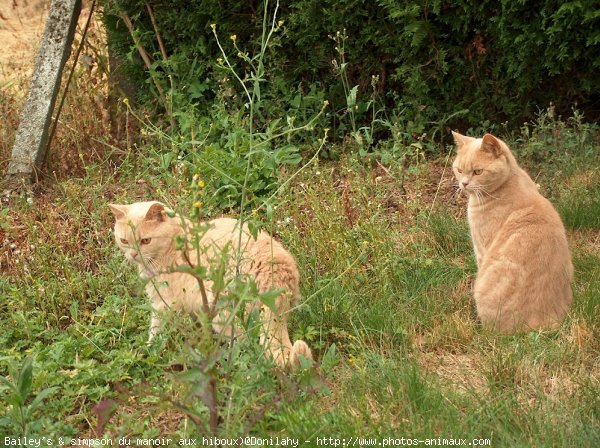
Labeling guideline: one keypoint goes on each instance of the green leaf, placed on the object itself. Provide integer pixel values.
(4, 219)
(305, 363)
(25, 378)
(351, 99)
(269, 212)
(40, 397)
(253, 324)
(74, 309)
(257, 89)
(193, 375)
(5, 421)
(220, 269)
(16, 400)
(330, 359)
(8, 384)
(253, 228)
(269, 298)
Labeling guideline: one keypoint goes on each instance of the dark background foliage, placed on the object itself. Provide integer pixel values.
(441, 63)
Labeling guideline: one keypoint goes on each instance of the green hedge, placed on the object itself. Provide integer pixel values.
(439, 63)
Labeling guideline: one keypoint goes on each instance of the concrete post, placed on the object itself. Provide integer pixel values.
(31, 140)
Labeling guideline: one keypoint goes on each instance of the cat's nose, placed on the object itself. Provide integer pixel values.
(134, 255)
(465, 183)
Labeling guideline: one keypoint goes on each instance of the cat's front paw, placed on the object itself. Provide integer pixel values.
(300, 349)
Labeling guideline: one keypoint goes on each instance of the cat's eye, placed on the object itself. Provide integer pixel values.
(477, 172)
(145, 240)
(124, 241)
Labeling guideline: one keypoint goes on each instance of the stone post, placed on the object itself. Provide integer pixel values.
(31, 140)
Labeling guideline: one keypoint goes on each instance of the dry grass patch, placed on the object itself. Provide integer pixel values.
(460, 371)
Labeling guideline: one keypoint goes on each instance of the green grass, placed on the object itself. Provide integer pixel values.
(386, 269)
(580, 206)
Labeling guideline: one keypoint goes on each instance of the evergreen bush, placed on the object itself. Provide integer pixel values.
(437, 64)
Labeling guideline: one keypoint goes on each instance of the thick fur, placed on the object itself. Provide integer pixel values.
(524, 264)
(146, 234)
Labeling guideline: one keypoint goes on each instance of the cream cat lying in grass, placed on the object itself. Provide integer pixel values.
(146, 234)
(524, 265)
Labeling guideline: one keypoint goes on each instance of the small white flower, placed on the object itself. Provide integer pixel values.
(30, 201)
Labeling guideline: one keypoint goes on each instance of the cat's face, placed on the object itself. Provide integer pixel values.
(481, 165)
(144, 233)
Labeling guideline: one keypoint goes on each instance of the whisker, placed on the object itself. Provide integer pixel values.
(478, 196)
(489, 194)
(483, 189)
(455, 193)
(151, 265)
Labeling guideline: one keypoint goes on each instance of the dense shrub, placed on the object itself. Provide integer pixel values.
(435, 63)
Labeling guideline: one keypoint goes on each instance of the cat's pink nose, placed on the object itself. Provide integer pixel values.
(465, 183)
(134, 255)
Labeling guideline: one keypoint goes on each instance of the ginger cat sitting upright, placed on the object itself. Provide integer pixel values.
(146, 232)
(524, 265)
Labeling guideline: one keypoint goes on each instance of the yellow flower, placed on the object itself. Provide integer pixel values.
(201, 183)
(280, 24)
(197, 204)
(213, 26)
(233, 37)
(220, 61)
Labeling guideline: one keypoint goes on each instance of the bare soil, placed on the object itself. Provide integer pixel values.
(21, 27)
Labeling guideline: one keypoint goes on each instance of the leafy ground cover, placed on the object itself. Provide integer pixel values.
(386, 268)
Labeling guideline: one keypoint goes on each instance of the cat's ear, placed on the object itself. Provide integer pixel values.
(119, 211)
(156, 212)
(492, 145)
(461, 140)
